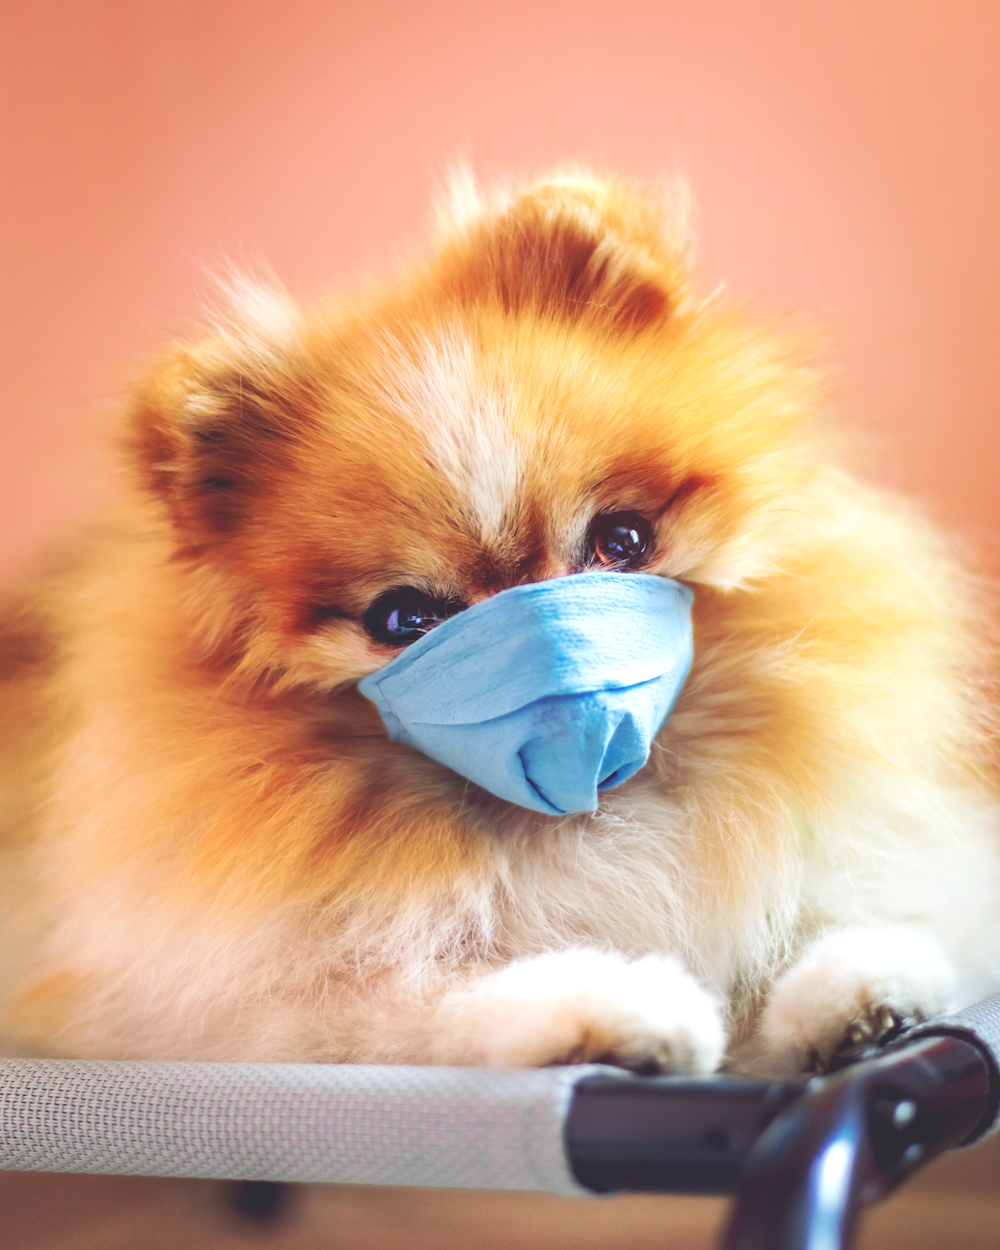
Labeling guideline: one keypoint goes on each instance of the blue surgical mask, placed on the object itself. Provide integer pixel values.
(548, 693)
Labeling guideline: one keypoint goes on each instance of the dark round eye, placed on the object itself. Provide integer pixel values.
(619, 540)
(400, 617)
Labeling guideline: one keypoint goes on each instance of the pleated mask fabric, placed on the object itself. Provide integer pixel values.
(548, 693)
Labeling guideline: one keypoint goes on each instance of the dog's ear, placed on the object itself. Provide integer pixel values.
(573, 246)
(216, 421)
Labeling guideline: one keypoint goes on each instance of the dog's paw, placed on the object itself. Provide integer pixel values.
(849, 992)
(583, 1006)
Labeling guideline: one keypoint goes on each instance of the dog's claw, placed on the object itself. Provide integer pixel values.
(864, 1038)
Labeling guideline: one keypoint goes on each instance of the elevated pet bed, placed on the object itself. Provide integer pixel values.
(801, 1155)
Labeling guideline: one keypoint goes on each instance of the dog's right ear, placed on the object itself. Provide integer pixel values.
(216, 420)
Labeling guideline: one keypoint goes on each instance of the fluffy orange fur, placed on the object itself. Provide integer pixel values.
(221, 855)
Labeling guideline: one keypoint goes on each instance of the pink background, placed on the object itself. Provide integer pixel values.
(846, 157)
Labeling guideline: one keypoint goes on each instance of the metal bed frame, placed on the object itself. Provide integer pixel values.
(801, 1156)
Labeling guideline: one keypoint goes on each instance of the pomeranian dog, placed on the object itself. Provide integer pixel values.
(497, 668)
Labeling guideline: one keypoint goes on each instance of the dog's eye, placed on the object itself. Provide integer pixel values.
(619, 540)
(402, 616)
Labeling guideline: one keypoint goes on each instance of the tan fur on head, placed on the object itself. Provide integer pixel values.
(233, 861)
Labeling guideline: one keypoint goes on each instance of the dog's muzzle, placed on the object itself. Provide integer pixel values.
(548, 693)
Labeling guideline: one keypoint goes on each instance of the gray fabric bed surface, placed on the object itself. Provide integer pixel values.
(461, 1128)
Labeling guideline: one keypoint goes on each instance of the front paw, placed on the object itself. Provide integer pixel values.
(851, 992)
(583, 1006)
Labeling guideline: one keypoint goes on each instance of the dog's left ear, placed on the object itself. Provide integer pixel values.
(572, 245)
(217, 419)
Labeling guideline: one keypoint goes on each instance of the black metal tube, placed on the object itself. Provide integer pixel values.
(669, 1134)
(852, 1138)
(803, 1156)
